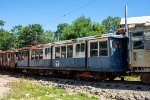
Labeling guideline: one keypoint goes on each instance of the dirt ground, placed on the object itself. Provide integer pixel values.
(4, 80)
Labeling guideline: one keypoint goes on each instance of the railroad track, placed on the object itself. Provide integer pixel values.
(128, 85)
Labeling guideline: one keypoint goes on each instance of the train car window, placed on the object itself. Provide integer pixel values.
(69, 51)
(25, 54)
(82, 47)
(22, 55)
(57, 53)
(12, 56)
(36, 54)
(16, 53)
(41, 54)
(19, 55)
(77, 47)
(94, 49)
(8, 55)
(33, 55)
(138, 34)
(103, 51)
(147, 44)
(47, 50)
(63, 52)
(138, 44)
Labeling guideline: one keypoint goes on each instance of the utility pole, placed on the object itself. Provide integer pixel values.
(127, 33)
(36, 38)
(126, 21)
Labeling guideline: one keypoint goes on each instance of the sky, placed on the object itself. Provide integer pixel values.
(50, 13)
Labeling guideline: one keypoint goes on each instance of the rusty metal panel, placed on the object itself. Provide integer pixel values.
(69, 63)
(100, 63)
(44, 63)
(34, 63)
(138, 59)
(147, 58)
(147, 40)
(22, 63)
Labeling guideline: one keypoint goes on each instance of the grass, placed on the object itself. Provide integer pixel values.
(25, 90)
(130, 78)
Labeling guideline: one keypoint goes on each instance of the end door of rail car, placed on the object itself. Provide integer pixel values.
(119, 53)
(23, 58)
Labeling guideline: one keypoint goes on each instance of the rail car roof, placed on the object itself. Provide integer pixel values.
(86, 38)
(136, 20)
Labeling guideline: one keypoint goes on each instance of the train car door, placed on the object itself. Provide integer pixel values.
(119, 53)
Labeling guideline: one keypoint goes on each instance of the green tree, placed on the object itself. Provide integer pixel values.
(30, 35)
(16, 30)
(6, 40)
(60, 29)
(82, 27)
(2, 23)
(48, 37)
(111, 24)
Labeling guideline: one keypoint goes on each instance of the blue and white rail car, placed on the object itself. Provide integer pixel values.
(23, 57)
(68, 55)
(45, 62)
(103, 54)
(108, 54)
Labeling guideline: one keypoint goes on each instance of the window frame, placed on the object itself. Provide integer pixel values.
(59, 53)
(80, 47)
(94, 49)
(63, 52)
(70, 51)
(103, 48)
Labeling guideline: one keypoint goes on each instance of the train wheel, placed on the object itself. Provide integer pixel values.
(100, 76)
(145, 78)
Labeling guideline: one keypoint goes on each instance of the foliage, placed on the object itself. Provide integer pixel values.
(82, 27)
(129, 78)
(31, 34)
(2, 23)
(111, 24)
(60, 29)
(48, 37)
(6, 40)
(21, 36)
(25, 90)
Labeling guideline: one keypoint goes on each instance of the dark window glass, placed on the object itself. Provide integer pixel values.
(33, 55)
(103, 51)
(94, 45)
(16, 54)
(138, 45)
(36, 53)
(69, 51)
(26, 53)
(63, 52)
(103, 44)
(147, 44)
(49, 50)
(8, 55)
(19, 55)
(57, 53)
(77, 47)
(41, 54)
(138, 34)
(82, 47)
(94, 49)
(45, 51)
